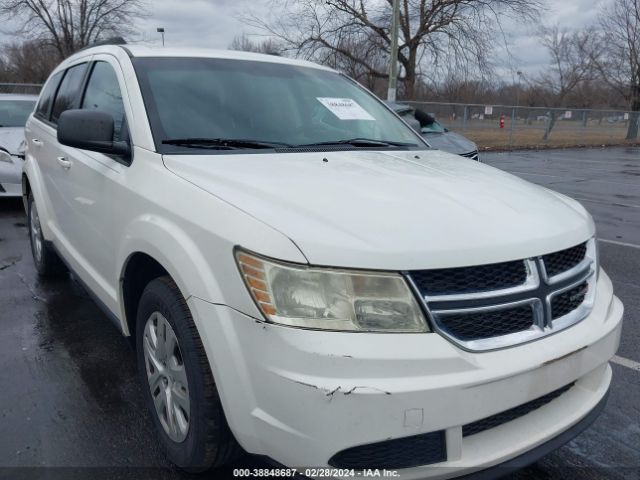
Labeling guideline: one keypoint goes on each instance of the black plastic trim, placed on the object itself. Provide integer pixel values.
(506, 416)
(521, 461)
(398, 453)
(127, 51)
(535, 454)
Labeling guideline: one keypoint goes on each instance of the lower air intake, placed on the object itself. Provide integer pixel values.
(404, 452)
(509, 415)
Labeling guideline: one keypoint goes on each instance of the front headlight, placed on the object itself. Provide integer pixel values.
(5, 157)
(330, 299)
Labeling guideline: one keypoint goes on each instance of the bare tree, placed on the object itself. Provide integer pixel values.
(620, 62)
(69, 25)
(431, 31)
(572, 65)
(244, 43)
(28, 62)
(359, 47)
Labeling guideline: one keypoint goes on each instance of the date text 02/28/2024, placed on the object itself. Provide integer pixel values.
(315, 472)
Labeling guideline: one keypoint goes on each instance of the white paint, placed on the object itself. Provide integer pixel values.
(625, 362)
(616, 242)
(375, 210)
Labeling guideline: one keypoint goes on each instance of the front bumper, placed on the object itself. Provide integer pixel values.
(10, 178)
(299, 396)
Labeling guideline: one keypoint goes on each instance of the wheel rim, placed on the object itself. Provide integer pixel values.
(36, 233)
(167, 377)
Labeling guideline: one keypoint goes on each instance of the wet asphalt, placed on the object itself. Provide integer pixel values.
(71, 405)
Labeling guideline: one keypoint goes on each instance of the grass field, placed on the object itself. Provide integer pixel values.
(573, 128)
(489, 136)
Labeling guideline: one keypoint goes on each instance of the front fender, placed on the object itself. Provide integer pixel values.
(172, 248)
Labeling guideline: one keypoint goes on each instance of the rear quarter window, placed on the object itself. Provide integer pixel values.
(69, 91)
(46, 98)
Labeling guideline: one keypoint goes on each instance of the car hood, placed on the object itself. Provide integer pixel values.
(450, 142)
(391, 210)
(11, 138)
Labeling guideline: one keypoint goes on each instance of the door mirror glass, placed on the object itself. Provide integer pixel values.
(90, 130)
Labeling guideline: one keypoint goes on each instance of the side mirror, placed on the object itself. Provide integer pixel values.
(90, 130)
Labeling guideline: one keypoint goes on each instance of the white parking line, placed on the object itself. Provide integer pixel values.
(616, 242)
(625, 362)
(601, 202)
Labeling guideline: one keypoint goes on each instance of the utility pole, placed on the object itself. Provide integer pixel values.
(160, 30)
(393, 58)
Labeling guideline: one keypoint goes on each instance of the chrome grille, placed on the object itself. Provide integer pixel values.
(558, 262)
(445, 281)
(487, 323)
(495, 306)
(567, 302)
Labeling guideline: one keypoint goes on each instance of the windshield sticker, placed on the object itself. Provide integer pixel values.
(345, 108)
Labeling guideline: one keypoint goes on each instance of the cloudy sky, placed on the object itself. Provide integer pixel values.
(214, 24)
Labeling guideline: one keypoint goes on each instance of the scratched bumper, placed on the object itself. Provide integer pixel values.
(10, 174)
(301, 396)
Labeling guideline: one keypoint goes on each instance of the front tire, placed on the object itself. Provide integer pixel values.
(178, 385)
(45, 259)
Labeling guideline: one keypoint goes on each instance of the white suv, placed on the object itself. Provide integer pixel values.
(305, 278)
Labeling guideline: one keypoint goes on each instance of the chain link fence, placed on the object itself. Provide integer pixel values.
(22, 88)
(505, 126)
(512, 127)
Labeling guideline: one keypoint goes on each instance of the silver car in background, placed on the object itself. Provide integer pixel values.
(435, 133)
(14, 111)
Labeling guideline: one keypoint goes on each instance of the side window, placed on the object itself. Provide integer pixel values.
(46, 98)
(103, 93)
(69, 91)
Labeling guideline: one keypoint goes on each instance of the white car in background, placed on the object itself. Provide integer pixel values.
(304, 277)
(14, 111)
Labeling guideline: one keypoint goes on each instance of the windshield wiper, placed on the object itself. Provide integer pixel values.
(222, 143)
(359, 142)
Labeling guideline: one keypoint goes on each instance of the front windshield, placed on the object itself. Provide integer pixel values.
(212, 98)
(14, 113)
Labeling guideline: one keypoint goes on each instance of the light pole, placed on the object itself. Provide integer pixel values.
(393, 57)
(519, 73)
(160, 30)
(514, 111)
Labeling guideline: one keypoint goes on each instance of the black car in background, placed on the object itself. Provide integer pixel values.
(434, 133)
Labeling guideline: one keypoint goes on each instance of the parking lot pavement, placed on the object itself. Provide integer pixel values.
(69, 395)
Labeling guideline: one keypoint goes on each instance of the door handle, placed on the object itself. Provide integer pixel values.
(36, 142)
(64, 163)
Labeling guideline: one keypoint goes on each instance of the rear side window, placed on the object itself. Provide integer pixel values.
(46, 99)
(68, 91)
(103, 93)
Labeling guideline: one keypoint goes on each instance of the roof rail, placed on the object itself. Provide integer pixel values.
(107, 41)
